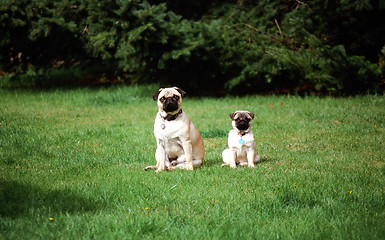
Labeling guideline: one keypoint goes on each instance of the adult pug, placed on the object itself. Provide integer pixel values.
(179, 144)
(242, 148)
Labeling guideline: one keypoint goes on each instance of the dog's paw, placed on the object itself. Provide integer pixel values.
(251, 165)
(160, 170)
(189, 167)
(233, 166)
(149, 168)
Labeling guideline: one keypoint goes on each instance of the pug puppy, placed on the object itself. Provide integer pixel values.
(242, 148)
(179, 144)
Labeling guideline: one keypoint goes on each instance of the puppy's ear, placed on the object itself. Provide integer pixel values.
(252, 115)
(156, 95)
(182, 93)
(232, 115)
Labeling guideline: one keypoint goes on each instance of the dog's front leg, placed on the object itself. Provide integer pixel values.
(251, 158)
(160, 156)
(187, 148)
(233, 159)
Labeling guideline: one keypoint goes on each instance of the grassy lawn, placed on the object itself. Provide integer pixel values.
(71, 167)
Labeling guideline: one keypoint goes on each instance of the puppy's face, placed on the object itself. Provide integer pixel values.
(242, 120)
(169, 99)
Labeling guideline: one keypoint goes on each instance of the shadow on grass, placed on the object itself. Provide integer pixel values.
(214, 133)
(19, 199)
(218, 161)
(211, 162)
(265, 159)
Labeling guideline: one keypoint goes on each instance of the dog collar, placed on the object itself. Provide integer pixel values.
(242, 134)
(172, 117)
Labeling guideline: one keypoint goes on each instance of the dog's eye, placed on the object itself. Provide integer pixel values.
(248, 119)
(162, 99)
(176, 97)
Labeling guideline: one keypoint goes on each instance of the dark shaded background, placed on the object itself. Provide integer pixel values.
(208, 47)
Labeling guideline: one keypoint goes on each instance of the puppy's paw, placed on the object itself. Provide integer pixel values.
(251, 165)
(233, 166)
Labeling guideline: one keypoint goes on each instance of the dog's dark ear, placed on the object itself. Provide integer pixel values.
(252, 115)
(232, 115)
(182, 93)
(155, 97)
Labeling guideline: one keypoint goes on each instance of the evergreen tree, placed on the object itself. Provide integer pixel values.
(214, 46)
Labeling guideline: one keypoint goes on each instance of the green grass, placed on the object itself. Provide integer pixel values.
(71, 166)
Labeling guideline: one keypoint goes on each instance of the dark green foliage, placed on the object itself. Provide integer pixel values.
(207, 47)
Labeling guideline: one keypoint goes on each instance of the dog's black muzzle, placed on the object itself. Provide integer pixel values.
(242, 124)
(170, 105)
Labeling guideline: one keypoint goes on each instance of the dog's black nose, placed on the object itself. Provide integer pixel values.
(170, 105)
(243, 124)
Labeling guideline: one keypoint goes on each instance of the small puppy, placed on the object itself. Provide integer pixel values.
(242, 148)
(179, 144)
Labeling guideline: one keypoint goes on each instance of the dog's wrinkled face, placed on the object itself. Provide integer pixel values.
(242, 120)
(169, 99)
